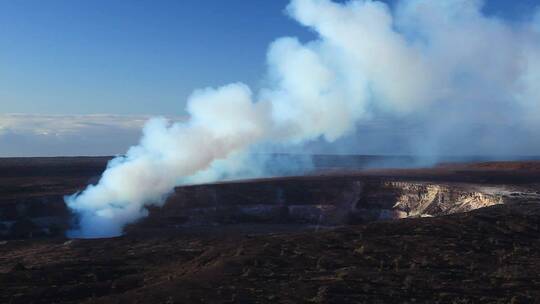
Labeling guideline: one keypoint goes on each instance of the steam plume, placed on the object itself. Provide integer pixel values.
(443, 64)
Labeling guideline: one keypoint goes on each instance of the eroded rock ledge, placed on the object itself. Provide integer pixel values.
(311, 200)
(328, 202)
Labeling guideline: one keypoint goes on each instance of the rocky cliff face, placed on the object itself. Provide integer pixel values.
(426, 199)
(324, 201)
(332, 202)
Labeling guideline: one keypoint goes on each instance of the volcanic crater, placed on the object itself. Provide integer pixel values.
(334, 235)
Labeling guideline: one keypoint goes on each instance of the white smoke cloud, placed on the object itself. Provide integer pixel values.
(467, 80)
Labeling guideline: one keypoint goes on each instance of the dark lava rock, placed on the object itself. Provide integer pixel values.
(18, 267)
(490, 255)
(24, 228)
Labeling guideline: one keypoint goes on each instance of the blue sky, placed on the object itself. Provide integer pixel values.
(62, 61)
(139, 57)
(130, 57)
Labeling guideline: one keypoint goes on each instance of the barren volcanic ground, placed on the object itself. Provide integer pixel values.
(455, 233)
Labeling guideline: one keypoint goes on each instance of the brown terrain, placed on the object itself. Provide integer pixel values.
(454, 233)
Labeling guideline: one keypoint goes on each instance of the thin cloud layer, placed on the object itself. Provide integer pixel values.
(67, 135)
